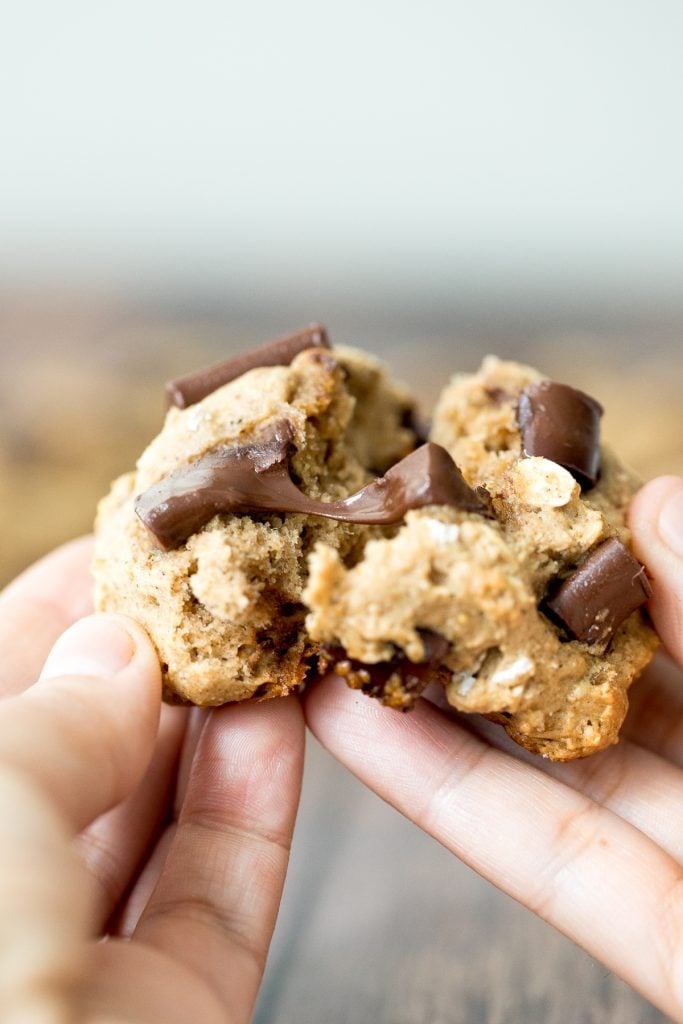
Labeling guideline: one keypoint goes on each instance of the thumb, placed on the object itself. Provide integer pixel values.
(71, 746)
(84, 734)
(656, 520)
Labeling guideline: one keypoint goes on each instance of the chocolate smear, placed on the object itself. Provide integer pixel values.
(255, 477)
(191, 389)
(563, 425)
(398, 682)
(606, 588)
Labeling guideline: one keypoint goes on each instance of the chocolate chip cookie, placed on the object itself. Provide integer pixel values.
(288, 519)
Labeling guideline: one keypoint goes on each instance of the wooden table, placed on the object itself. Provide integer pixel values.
(379, 923)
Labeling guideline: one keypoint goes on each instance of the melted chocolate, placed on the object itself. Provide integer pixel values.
(593, 602)
(187, 390)
(255, 478)
(398, 682)
(563, 425)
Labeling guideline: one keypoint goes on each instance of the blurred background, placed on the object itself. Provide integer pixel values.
(432, 180)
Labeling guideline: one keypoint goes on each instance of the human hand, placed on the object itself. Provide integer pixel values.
(595, 847)
(172, 830)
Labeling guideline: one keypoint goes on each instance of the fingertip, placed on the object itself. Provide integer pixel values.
(338, 715)
(108, 662)
(255, 731)
(248, 765)
(144, 663)
(270, 709)
(656, 522)
(104, 645)
(322, 698)
(85, 732)
(97, 645)
(259, 726)
(646, 504)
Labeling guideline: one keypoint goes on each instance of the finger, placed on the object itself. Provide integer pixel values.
(69, 748)
(44, 906)
(85, 734)
(655, 716)
(592, 875)
(638, 785)
(130, 982)
(115, 846)
(36, 609)
(197, 720)
(217, 899)
(141, 893)
(145, 885)
(656, 519)
(131, 911)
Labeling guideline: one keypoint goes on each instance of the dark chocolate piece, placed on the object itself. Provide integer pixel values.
(412, 420)
(187, 390)
(255, 478)
(563, 425)
(606, 588)
(398, 682)
(229, 478)
(498, 395)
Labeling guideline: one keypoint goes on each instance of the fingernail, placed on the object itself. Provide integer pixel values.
(94, 646)
(671, 520)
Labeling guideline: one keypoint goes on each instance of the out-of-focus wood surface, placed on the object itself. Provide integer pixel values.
(81, 392)
(379, 923)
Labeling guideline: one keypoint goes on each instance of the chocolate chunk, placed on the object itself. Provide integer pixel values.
(563, 425)
(255, 478)
(235, 478)
(412, 420)
(398, 682)
(428, 476)
(187, 390)
(498, 395)
(606, 588)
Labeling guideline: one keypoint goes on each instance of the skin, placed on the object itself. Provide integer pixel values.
(182, 822)
(594, 847)
(168, 831)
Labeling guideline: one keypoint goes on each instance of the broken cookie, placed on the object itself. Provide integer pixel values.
(288, 519)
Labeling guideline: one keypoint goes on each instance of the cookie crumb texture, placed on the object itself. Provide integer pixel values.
(244, 607)
(225, 610)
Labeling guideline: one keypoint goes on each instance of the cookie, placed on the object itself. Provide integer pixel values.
(288, 519)
(540, 603)
(224, 607)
